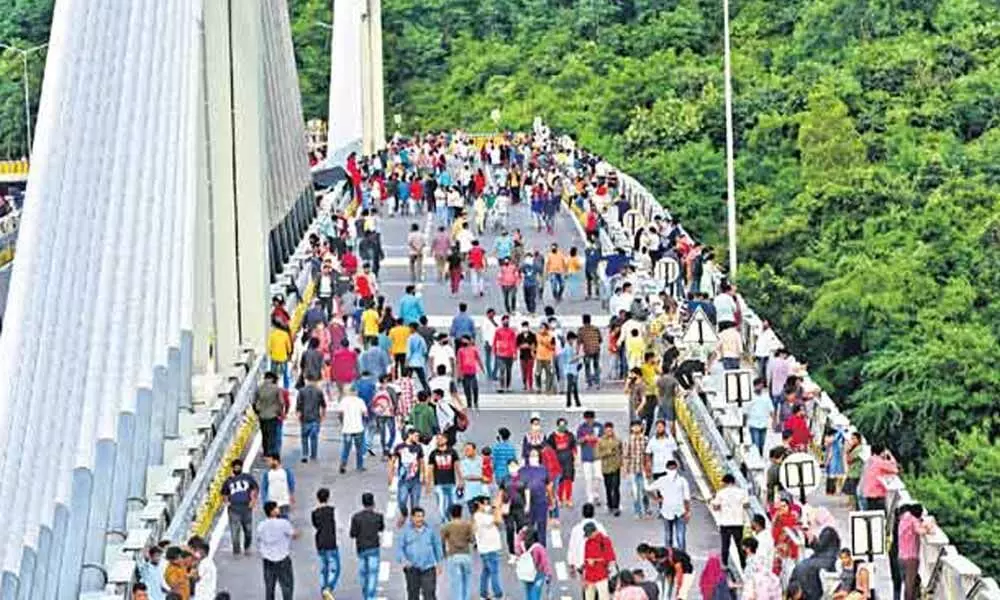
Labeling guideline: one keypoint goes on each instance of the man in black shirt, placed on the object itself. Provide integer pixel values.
(324, 520)
(239, 491)
(445, 474)
(366, 529)
(527, 343)
(311, 407)
(312, 362)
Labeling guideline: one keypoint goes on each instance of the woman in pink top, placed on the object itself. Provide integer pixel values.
(881, 464)
(469, 364)
(527, 541)
(508, 279)
(344, 367)
(911, 527)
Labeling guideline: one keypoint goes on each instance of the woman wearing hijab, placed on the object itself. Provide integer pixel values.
(785, 531)
(714, 584)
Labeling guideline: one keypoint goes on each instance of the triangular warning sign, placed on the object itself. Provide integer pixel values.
(700, 330)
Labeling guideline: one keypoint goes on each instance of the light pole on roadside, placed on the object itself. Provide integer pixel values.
(27, 90)
(730, 168)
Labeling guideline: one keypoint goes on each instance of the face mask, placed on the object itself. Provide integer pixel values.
(536, 427)
(562, 427)
(514, 469)
(237, 471)
(533, 461)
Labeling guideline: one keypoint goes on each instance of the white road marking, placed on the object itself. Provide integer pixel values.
(383, 571)
(387, 538)
(562, 572)
(568, 321)
(557, 539)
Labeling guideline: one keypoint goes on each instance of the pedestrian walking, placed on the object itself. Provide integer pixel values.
(366, 530)
(445, 475)
(588, 434)
(458, 536)
(324, 521)
(419, 552)
(610, 452)
(274, 541)
(310, 405)
(505, 347)
(278, 486)
(634, 468)
(570, 359)
(239, 492)
(270, 408)
(353, 413)
(730, 503)
(598, 560)
(674, 495)
(487, 518)
(532, 567)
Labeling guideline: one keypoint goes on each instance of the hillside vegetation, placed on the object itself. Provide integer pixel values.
(868, 175)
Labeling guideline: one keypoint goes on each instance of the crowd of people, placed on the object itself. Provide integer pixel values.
(405, 394)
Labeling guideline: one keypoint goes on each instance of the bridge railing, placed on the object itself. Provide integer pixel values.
(944, 572)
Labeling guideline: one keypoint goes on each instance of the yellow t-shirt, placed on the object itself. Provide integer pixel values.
(635, 348)
(546, 346)
(649, 376)
(574, 264)
(369, 322)
(555, 262)
(398, 338)
(279, 345)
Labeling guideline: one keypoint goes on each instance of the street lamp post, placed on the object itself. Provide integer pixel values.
(730, 169)
(27, 90)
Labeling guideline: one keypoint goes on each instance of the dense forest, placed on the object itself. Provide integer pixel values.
(868, 175)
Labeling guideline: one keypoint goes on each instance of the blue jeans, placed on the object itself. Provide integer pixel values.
(310, 439)
(408, 495)
(489, 363)
(758, 436)
(386, 433)
(459, 568)
(675, 533)
(574, 284)
(558, 285)
(533, 590)
(490, 574)
(368, 561)
(329, 569)
(730, 363)
(358, 439)
(445, 494)
(281, 370)
(640, 499)
(592, 368)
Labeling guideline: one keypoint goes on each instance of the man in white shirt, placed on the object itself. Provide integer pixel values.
(730, 502)
(577, 539)
(204, 588)
(442, 354)
(675, 506)
(767, 342)
(661, 448)
(730, 347)
(725, 307)
(353, 413)
(489, 330)
(465, 239)
(486, 523)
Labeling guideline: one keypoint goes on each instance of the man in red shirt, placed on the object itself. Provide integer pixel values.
(504, 347)
(344, 367)
(598, 557)
(364, 284)
(796, 424)
(477, 267)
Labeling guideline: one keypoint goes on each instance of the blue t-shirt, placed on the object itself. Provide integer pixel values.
(504, 246)
(365, 389)
(416, 351)
(530, 275)
(239, 488)
(588, 449)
